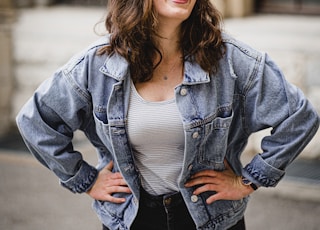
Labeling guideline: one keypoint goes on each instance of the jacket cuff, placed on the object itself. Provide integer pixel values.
(261, 173)
(83, 180)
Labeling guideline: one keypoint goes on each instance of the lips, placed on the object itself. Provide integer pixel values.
(180, 1)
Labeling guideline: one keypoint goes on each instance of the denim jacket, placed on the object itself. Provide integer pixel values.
(219, 112)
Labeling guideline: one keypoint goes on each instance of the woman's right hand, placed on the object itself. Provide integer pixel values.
(107, 184)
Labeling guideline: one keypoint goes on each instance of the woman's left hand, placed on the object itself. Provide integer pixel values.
(226, 184)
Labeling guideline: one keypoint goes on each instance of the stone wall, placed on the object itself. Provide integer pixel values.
(6, 65)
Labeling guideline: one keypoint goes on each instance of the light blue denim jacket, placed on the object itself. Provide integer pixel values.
(219, 112)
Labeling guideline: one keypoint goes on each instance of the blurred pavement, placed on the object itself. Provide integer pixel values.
(31, 197)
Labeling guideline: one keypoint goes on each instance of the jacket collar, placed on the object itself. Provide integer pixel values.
(117, 67)
(194, 74)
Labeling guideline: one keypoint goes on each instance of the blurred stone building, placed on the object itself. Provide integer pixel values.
(240, 8)
(6, 66)
(230, 8)
(20, 74)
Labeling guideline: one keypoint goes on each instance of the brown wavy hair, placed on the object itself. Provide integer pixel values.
(132, 24)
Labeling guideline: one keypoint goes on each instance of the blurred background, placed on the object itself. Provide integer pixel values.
(38, 36)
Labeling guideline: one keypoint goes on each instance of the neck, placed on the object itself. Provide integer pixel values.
(168, 40)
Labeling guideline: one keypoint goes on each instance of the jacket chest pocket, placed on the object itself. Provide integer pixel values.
(102, 125)
(215, 141)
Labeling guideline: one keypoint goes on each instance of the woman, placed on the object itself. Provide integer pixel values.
(169, 102)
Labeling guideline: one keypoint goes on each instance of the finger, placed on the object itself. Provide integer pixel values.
(109, 166)
(118, 189)
(116, 175)
(202, 180)
(105, 194)
(117, 200)
(206, 188)
(210, 173)
(214, 198)
(115, 182)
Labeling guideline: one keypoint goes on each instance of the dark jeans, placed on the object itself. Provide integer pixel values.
(167, 212)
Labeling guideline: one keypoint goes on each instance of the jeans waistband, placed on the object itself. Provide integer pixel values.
(151, 201)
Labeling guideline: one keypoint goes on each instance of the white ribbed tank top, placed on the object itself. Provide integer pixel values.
(156, 134)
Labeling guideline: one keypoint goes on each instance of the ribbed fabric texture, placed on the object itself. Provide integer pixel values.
(156, 133)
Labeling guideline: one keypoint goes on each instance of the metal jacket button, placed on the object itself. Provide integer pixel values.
(167, 201)
(194, 198)
(195, 135)
(183, 92)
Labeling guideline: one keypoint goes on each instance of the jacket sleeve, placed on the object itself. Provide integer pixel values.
(47, 123)
(271, 101)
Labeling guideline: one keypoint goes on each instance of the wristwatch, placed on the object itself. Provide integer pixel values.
(245, 181)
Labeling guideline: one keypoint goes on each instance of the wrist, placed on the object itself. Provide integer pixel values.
(247, 182)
